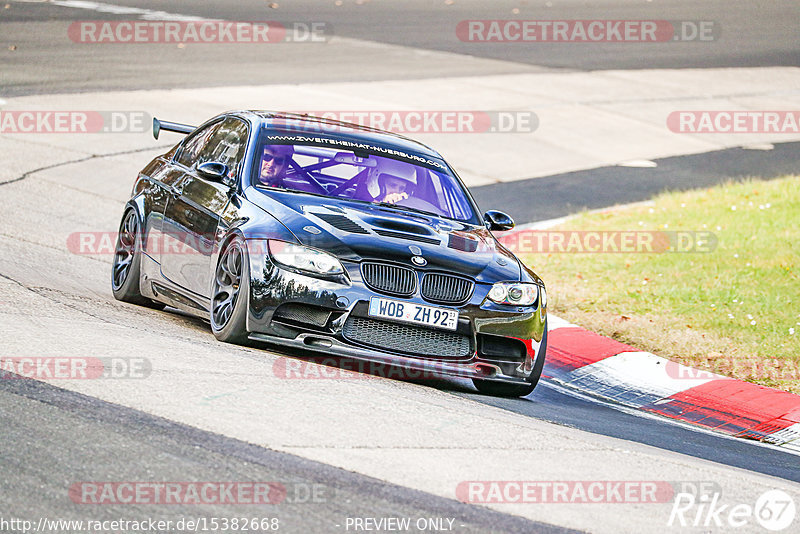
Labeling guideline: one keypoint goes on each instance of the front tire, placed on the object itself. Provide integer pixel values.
(502, 389)
(230, 293)
(126, 267)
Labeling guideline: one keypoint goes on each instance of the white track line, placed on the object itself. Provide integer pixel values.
(143, 14)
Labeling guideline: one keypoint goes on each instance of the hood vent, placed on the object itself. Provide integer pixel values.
(342, 223)
(410, 237)
(335, 209)
(459, 242)
(401, 226)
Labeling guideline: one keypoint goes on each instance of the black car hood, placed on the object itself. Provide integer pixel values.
(358, 231)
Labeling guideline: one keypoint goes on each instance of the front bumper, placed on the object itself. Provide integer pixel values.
(479, 319)
(423, 368)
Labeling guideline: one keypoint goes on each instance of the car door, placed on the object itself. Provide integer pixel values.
(192, 214)
(162, 183)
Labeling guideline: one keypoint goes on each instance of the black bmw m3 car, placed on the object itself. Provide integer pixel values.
(331, 237)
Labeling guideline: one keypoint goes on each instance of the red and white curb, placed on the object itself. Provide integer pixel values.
(599, 366)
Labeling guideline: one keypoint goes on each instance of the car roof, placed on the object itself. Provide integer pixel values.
(296, 123)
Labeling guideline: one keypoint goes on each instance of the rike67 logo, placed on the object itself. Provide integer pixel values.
(774, 510)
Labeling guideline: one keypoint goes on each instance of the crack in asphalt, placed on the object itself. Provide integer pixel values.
(59, 296)
(79, 160)
(41, 291)
(51, 247)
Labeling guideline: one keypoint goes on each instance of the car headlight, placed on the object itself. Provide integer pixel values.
(514, 293)
(543, 294)
(304, 258)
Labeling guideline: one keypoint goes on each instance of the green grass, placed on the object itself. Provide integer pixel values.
(735, 310)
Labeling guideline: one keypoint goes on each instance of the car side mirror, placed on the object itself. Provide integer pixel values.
(497, 220)
(215, 171)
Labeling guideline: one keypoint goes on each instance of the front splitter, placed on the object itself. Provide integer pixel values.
(330, 345)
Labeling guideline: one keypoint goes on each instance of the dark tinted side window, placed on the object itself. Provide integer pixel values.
(227, 145)
(194, 144)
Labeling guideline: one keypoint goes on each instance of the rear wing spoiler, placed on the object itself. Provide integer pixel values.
(170, 127)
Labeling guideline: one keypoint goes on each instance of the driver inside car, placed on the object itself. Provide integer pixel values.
(274, 162)
(392, 181)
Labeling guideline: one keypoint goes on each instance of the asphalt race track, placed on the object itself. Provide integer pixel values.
(562, 194)
(346, 450)
(756, 34)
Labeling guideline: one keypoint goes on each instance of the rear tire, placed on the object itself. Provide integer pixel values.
(502, 389)
(230, 293)
(126, 267)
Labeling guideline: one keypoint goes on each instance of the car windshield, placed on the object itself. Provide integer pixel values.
(364, 177)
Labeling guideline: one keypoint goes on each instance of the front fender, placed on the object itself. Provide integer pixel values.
(255, 226)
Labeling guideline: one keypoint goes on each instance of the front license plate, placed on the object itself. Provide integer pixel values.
(409, 312)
